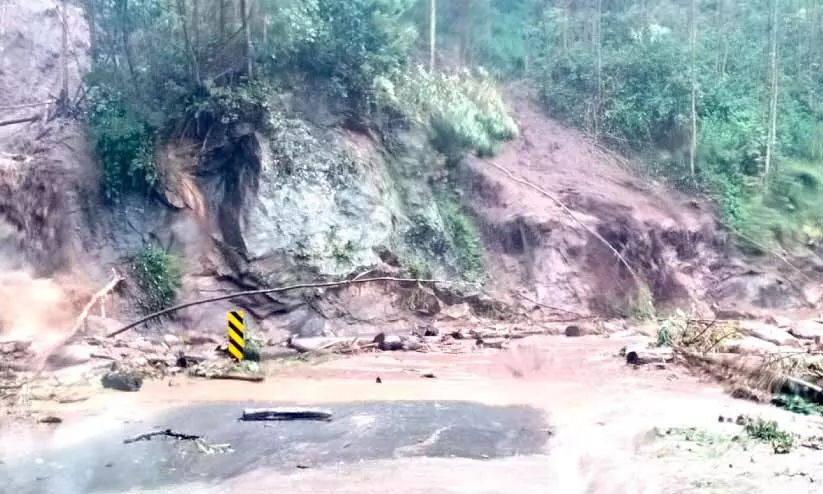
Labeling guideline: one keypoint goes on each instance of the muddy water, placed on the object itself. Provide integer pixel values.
(602, 413)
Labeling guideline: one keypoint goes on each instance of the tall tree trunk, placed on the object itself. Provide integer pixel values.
(814, 65)
(91, 12)
(432, 32)
(246, 14)
(222, 21)
(265, 42)
(693, 42)
(194, 65)
(565, 34)
(773, 56)
(64, 52)
(599, 48)
(195, 23)
(723, 55)
(125, 29)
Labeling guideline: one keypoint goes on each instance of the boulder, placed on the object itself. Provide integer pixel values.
(573, 331)
(807, 330)
(122, 381)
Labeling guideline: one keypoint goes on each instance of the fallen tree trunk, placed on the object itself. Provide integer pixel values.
(498, 343)
(282, 289)
(15, 121)
(81, 319)
(254, 414)
(237, 376)
(327, 344)
(759, 371)
(641, 355)
(167, 433)
(84, 314)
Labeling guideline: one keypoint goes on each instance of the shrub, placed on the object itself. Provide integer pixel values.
(158, 276)
(124, 144)
(223, 105)
(462, 113)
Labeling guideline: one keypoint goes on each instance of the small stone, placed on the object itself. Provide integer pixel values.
(428, 375)
(50, 419)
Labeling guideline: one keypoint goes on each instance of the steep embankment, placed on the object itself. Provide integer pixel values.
(671, 241)
(311, 197)
(46, 175)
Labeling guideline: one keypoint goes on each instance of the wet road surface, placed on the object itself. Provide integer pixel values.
(359, 432)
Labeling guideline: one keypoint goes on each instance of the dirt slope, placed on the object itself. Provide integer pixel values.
(670, 240)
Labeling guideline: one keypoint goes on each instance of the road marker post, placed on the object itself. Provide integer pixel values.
(237, 334)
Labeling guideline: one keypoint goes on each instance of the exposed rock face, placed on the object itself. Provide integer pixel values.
(318, 203)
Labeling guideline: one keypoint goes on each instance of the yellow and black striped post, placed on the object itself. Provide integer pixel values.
(237, 334)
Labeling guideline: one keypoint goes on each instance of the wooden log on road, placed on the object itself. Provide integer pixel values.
(643, 355)
(327, 344)
(285, 413)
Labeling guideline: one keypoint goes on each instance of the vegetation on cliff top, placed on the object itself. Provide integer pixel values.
(160, 67)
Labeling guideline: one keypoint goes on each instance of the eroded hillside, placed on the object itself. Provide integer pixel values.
(309, 196)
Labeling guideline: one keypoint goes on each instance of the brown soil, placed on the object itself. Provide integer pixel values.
(670, 240)
(603, 413)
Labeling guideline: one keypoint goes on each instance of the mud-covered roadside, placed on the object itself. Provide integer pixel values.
(615, 427)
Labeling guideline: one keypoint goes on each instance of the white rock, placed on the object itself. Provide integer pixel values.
(807, 330)
(171, 339)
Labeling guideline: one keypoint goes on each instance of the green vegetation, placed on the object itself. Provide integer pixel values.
(757, 430)
(461, 112)
(640, 75)
(630, 73)
(462, 236)
(769, 432)
(798, 404)
(158, 276)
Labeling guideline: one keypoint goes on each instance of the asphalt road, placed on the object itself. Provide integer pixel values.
(358, 432)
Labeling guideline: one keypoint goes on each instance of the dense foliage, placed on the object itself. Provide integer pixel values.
(158, 275)
(624, 71)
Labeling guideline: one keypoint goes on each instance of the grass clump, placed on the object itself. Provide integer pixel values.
(462, 113)
(797, 404)
(769, 432)
(158, 276)
(462, 236)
